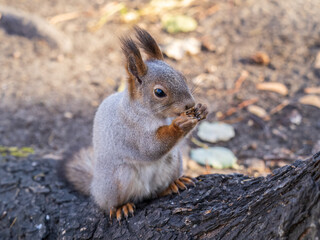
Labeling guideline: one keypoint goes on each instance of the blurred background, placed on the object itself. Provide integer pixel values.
(255, 63)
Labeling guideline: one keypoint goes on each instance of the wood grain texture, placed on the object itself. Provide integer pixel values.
(35, 204)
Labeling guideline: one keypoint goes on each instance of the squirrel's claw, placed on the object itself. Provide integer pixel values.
(200, 111)
(187, 180)
(122, 211)
(111, 213)
(131, 208)
(179, 183)
(119, 214)
(174, 188)
(125, 211)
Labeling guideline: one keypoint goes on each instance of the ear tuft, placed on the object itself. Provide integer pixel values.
(148, 44)
(135, 64)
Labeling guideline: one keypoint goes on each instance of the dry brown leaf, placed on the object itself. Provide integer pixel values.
(312, 100)
(261, 58)
(258, 111)
(312, 90)
(273, 87)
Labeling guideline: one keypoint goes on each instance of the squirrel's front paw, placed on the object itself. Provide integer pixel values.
(185, 123)
(200, 112)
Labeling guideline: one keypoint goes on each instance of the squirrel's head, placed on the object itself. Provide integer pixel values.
(153, 82)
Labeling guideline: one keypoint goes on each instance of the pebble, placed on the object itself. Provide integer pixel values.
(216, 131)
(217, 157)
(255, 164)
(177, 48)
(295, 117)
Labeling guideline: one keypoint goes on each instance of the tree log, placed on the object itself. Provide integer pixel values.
(35, 204)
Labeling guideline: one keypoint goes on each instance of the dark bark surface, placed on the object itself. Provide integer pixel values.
(35, 204)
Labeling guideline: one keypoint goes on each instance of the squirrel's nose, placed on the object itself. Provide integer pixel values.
(190, 104)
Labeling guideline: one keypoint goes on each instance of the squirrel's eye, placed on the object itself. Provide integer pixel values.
(159, 93)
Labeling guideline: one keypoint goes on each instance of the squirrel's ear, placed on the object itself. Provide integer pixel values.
(135, 65)
(148, 44)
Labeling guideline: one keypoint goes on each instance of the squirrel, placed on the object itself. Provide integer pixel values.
(136, 132)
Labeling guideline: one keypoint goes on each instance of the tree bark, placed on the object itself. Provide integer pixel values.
(35, 204)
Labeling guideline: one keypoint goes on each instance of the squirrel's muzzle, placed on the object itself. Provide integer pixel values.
(190, 104)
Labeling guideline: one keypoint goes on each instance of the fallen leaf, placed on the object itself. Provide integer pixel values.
(178, 23)
(312, 100)
(273, 87)
(208, 44)
(312, 90)
(258, 111)
(261, 58)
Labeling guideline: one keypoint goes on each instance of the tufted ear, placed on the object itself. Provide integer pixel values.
(148, 44)
(135, 66)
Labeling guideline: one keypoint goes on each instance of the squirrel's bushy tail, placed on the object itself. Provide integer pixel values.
(78, 170)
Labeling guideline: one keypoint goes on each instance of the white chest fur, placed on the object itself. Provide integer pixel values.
(154, 177)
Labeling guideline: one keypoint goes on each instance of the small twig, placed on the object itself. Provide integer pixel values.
(208, 168)
(244, 75)
(279, 107)
(275, 158)
(198, 143)
(261, 124)
(107, 13)
(312, 90)
(234, 120)
(239, 107)
(65, 17)
(13, 222)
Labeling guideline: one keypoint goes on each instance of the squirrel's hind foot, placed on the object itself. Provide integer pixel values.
(121, 211)
(180, 183)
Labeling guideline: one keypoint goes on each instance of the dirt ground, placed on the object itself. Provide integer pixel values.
(48, 96)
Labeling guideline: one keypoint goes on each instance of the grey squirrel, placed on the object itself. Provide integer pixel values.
(135, 154)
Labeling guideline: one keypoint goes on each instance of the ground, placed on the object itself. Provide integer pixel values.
(49, 96)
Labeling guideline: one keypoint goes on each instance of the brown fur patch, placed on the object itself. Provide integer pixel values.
(169, 133)
(131, 84)
(148, 44)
